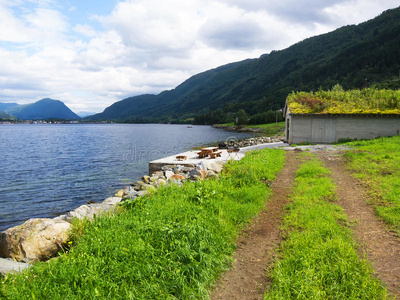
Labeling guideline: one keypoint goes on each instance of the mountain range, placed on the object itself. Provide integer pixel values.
(41, 110)
(353, 56)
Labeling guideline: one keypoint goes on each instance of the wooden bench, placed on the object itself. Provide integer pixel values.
(204, 153)
(215, 154)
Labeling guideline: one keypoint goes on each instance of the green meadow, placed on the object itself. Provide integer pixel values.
(170, 245)
(376, 163)
(318, 258)
(174, 243)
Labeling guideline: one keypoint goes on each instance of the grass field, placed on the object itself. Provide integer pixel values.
(266, 129)
(377, 164)
(270, 129)
(174, 243)
(319, 258)
(171, 245)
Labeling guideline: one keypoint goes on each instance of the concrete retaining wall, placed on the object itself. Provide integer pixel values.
(330, 129)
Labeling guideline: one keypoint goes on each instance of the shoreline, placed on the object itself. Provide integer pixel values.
(52, 233)
(246, 142)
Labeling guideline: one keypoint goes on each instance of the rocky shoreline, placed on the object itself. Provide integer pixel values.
(41, 239)
(251, 142)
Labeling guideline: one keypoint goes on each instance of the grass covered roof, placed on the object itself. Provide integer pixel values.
(338, 101)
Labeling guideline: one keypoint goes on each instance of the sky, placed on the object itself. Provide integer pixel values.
(92, 53)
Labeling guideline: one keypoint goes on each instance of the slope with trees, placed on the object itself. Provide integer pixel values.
(353, 56)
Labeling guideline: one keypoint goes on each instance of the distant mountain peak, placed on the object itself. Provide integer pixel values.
(42, 110)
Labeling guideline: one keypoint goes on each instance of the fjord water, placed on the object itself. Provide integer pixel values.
(47, 170)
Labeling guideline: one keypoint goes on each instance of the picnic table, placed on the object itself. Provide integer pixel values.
(208, 151)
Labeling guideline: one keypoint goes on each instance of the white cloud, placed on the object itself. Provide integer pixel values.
(146, 46)
(11, 28)
(167, 24)
(85, 30)
(345, 13)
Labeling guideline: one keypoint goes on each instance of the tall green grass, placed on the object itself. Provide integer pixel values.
(377, 164)
(318, 258)
(171, 245)
(271, 128)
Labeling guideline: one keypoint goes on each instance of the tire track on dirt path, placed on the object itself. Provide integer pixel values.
(381, 246)
(256, 246)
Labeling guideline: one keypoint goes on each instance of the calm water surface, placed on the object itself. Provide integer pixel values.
(47, 170)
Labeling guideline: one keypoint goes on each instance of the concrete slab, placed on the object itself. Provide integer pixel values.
(192, 158)
(264, 146)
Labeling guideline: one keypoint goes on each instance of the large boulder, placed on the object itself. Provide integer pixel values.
(169, 174)
(198, 174)
(11, 266)
(216, 167)
(36, 239)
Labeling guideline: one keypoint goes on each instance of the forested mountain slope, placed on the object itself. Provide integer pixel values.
(352, 56)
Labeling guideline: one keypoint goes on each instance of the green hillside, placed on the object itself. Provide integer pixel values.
(353, 56)
(5, 116)
(42, 110)
(4, 106)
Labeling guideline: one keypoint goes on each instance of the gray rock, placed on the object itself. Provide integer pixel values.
(11, 266)
(211, 174)
(215, 167)
(178, 169)
(142, 193)
(158, 174)
(89, 210)
(148, 187)
(61, 217)
(169, 174)
(195, 178)
(129, 190)
(36, 239)
(199, 173)
(132, 194)
(160, 182)
(146, 179)
(187, 169)
(201, 166)
(119, 193)
(154, 179)
(112, 201)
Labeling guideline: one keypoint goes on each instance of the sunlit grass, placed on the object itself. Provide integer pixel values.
(377, 164)
(171, 245)
(270, 129)
(318, 258)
